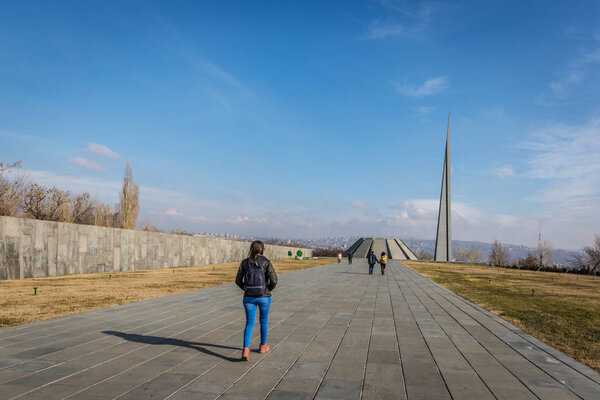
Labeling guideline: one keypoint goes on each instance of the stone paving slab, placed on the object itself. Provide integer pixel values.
(335, 333)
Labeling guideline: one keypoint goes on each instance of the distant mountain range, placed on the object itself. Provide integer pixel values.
(516, 251)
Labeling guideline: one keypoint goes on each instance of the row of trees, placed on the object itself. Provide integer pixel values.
(327, 251)
(472, 256)
(540, 258)
(21, 198)
(587, 262)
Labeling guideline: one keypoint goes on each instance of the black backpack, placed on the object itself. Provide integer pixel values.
(255, 284)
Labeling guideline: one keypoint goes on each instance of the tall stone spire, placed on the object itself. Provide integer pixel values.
(443, 239)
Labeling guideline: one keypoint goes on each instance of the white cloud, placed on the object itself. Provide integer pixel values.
(82, 162)
(592, 56)
(108, 191)
(425, 110)
(568, 158)
(360, 205)
(173, 213)
(425, 211)
(101, 150)
(508, 220)
(506, 171)
(576, 70)
(408, 21)
(381, 30)
(429, 87)
(562, 86)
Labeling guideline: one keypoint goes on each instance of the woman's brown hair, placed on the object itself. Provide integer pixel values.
(257, 248)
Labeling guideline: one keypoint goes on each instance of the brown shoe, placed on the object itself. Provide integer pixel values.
(246, 354)
(263, 348)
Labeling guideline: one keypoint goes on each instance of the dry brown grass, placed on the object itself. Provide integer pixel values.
(564, 310)
(71, 294)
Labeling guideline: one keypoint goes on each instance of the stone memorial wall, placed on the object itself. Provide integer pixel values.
(32, 248)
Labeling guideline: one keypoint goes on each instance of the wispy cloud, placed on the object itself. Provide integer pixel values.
(101, 150)
(576, 70)
(429, 87)
(592, 56)
(567, 157)
(82, 162)
(582, 33)
(561, 86)
(425, 110)
(173, 213)
(408, 21)
(95, 186)
(367, 209)
(505, 171)
(188, 52)
(381, 30)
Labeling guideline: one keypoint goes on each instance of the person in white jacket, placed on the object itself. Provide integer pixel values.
(339, 258)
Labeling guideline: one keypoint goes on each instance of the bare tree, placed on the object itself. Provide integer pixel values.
(104, 215)
(531, 261)
(148, 226)
(473, 256)
(34, 201)
(60, 205)
(129, 207)
(180, 231)
(593, 253)
(590, 259)
(83, 209)
(424, 255)
(543, 253)
(50, 204)
(11, 190)
(499, 256)
(460, 254)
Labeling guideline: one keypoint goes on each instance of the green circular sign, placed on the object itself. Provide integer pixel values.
(289, 253)
(299, 253)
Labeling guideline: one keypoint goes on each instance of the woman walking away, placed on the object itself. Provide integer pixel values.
(256, 277)
(383, 262)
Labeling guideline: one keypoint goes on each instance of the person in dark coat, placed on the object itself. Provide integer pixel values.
(372, 260)
(261, 301)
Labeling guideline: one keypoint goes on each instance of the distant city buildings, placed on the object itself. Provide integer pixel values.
(416, 245)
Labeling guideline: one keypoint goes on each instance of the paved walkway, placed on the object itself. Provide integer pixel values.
(335, 332)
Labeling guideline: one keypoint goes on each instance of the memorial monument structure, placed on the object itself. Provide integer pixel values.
(396, 249)
(443, 238)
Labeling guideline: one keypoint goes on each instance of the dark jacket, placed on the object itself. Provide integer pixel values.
(270, 275)
(372, 259)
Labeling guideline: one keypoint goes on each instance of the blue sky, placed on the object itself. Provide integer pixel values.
(308, 119)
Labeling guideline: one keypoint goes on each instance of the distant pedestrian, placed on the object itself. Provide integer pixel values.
(383, 262)
(339, 258)
(350, 258)
(257, 278)
(372, 260)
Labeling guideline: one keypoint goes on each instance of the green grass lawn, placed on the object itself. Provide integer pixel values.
(563, 311)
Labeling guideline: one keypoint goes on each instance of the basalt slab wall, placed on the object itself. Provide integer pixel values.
(32, 248)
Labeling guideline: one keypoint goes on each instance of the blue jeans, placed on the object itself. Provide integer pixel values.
(250, 304)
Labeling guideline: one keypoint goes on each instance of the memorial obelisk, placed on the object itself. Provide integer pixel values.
(443, 239)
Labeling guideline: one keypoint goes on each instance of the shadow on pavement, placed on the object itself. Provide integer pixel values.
(158, 340)
(353, 273)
